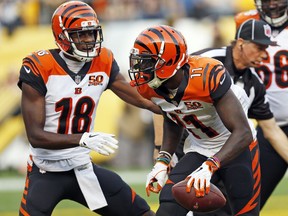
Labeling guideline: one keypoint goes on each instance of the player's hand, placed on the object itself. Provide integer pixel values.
(200, 178)
(158, 175)
(102, 143)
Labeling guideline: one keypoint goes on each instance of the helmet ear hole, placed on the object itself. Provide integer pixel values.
(169, 62)
(61, 36)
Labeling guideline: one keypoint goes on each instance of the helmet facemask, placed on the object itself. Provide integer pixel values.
(90, 50)
(143, 68)
(273, 11)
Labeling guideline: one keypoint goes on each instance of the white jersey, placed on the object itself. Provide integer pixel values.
(193, 108)
(71, 101)
(274, 74)
(195, 145)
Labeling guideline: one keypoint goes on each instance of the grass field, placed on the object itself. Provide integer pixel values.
(9, 202)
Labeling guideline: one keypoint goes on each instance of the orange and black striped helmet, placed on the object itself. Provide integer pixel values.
(76, 17)
(158, 53)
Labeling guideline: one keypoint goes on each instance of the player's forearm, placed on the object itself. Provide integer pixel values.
(273, 133)
(158, 133)
(281, 146)
(172, 134)
(158, 129)
(48, 140)
(237, 142)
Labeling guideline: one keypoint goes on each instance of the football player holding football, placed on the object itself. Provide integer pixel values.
(196, 94)
(241, 58)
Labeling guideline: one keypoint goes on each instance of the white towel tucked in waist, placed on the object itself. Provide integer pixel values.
(90, 186)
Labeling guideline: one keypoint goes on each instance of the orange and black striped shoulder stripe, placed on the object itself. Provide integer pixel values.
(31, 61)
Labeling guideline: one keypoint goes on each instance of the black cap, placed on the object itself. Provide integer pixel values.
(256, 31)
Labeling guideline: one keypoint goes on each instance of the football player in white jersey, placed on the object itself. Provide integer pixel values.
(274, 73)
(61, 89)
(196, 93)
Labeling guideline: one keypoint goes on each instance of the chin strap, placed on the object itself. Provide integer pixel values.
(156, 82)
(276, 22)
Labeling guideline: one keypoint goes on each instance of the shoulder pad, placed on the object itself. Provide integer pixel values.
(38, 60)
(106, 55)
(202, 61)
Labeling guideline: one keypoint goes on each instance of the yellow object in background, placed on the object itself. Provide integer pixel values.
(244, 5)
(108, 112)
(30, 12)
(9, 130)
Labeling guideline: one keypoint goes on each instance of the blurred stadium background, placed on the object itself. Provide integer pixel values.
(25, 27)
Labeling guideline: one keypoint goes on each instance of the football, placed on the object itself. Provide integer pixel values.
(210, 202)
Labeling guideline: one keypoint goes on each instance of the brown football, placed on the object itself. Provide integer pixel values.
(210, 202)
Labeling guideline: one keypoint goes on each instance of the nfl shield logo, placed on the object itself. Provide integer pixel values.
(77, 79)
(267, 30)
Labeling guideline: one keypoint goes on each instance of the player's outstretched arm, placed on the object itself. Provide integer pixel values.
(130, 95)
(276, 136)
(158, 175)
(158, 133)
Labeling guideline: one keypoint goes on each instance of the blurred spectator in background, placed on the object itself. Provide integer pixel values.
(114, 10)
(30, 12)
(9, 15)
(136, 137)
(243, 5)
(218, 40)
(191, 7)
(151, 9)
(47, 8)
(200, 9)
(100, 6)
(10, 96)
(40, 11)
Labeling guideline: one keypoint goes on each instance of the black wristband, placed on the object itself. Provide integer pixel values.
(158, 147)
